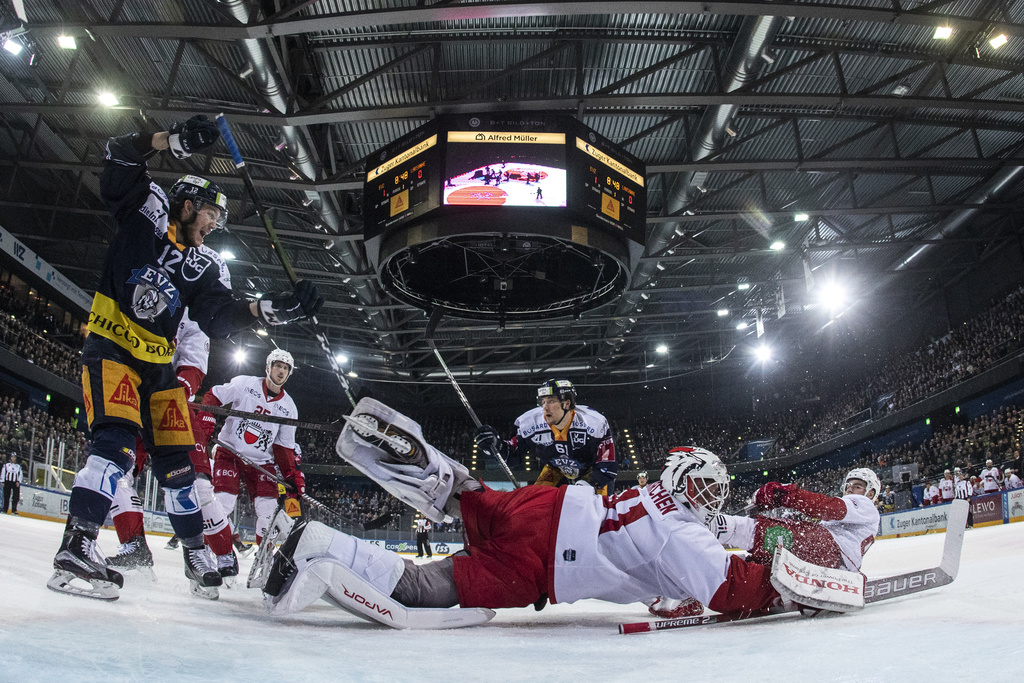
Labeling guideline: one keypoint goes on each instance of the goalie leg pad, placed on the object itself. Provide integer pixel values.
(389, 448)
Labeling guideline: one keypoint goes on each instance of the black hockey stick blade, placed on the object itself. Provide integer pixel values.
(377, 522)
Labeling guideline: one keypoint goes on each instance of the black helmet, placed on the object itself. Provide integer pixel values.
(202, 192)
(562, 388)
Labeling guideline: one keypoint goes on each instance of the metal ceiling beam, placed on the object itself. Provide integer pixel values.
(318, 23)
(624, 104)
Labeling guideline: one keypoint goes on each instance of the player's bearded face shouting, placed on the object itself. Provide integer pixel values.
(196, 225)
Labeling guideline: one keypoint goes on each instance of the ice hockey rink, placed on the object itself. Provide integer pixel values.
(967, 631)
(469, 188)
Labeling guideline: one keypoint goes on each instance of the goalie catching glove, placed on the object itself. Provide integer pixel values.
(285, 307)
(191, 136)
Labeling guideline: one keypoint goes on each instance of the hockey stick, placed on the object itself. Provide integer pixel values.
(230, 412)
(337, 516)
(875, 590)
(435, 318)
(275, 244)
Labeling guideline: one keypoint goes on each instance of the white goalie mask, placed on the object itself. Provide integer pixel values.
(696, 478)
(282, 356)
(871, 483)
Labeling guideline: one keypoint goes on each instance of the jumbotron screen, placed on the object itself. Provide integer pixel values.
(504, 168)
(521, 161)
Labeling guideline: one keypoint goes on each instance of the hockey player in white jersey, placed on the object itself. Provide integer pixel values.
(947, 487)
(250, 441)
(829, 532)
(525, 547)
(991, 477)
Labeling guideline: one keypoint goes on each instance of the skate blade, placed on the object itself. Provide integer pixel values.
(207, 592)
(230, 581)
(383, 436)
(279, 529)
(141, 571)
(71, 584)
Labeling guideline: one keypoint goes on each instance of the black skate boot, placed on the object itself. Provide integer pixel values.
(242, 548)
(283, 569)
(78, 559)
(134, 554)
(227, 565)
(172, 543)
(201, 571)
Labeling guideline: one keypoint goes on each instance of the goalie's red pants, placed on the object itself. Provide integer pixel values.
(512, 542)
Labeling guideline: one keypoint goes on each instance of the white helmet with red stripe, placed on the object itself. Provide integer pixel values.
(872, 486)
(697, 479)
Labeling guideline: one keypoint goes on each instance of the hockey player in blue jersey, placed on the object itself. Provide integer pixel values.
(156, 266)
(572, 442)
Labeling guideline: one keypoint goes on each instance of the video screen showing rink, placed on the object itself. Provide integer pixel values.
(507, 185)
(163, 633)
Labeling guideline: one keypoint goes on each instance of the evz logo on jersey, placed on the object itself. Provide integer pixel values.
(577, 438)
(154, 293)
(252, 434)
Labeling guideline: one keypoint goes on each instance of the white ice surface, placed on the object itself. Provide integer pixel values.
(968, 631)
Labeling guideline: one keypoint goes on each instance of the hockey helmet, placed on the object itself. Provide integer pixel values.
(202, 192)
(872, 486)
(696, 478)
(561, 388)
(282, 356)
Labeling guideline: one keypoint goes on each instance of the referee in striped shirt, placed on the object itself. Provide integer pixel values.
(11, 476)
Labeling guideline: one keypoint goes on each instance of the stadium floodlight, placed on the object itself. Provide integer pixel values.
(662, 349)
(741, 325)
(722, 312)
(262, 332)
(801, 217)
(240, 356)
(352, 373)
(833, 296)
(108, 99)
(942, 32)
(341, 358)
(227, 255)
(763, 353)
(67, 43)
(998, 41)
(13, 46)
(778, 245)
(743, 286)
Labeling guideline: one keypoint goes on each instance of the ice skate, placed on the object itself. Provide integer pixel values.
(227, 567)
(202, 574)
(389, 448)
(78, 562)
(172, 543)
(241, 548)
(134, 555)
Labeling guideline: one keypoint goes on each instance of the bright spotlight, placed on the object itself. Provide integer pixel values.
(662, 349)
(341, 358)
(352, 373)
(240, 356)
(998, 41)
(227, 255)
(741, 326)
(262, 332)
(942, 32)
(833, 296)
(13, 46)
(763, 353)
(67, 42)
(801, 217)
(778, 245)
(722, 312)
(108, 99)
(743, 286)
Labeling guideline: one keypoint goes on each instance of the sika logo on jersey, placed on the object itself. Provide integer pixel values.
(173, 420)
(124, 394)
(154, 293)
(253, 434)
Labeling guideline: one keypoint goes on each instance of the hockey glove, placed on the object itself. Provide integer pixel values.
(773, 495)
(603, 474)
(285, 307)
(203, 424)
(191, 136)
(296, 484)
(488, 441)
(667, 608)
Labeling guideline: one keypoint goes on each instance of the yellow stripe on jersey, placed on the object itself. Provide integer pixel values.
(563, 434)
(107, 320)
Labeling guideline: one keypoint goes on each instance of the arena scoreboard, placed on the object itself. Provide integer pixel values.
(495, 170)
